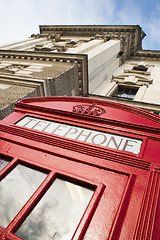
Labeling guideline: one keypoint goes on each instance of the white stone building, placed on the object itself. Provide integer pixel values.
(94, 61)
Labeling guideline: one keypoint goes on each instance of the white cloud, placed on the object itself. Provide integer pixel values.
(77, 11)
(20, 18)
(153, 36)
(151, 25)
(133, 14)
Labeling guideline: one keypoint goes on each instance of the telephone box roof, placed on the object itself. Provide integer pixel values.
(91, 108)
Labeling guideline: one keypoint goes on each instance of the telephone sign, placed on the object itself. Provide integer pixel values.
(118, 142)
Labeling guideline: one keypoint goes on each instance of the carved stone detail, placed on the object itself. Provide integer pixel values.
(56, 37)
(106, 36)
(12, 68)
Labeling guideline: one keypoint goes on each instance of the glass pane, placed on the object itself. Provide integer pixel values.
(58, 213)
(3, 162)
(15, 189)
(125, 92)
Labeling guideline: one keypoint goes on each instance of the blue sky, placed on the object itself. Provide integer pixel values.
(20, 18)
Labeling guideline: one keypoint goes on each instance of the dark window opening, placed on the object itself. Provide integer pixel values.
(140, 68)
(125, 92)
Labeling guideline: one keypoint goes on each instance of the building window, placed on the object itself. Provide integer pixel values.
(140, 68)
(125, 92)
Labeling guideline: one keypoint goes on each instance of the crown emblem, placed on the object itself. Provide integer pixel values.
(91, 110)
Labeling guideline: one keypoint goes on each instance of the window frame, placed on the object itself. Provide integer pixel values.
(124, 87)
(53, 173)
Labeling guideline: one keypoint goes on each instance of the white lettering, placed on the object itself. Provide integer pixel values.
(40, 125)
(129, 145)
(109, 140)
(59, 130)
(31, 123)
(71, 131)
(99, 139)
(114, 141)
(83, 137)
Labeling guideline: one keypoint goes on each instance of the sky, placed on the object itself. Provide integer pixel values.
(19, 19)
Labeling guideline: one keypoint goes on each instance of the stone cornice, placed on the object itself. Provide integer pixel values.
(90, 29)
(147, 55)
(130, 36)
(80, 59)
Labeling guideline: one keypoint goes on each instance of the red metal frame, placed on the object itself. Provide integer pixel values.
(126, 201)
(52, 174)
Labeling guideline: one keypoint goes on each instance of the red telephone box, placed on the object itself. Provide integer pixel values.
(79, 168)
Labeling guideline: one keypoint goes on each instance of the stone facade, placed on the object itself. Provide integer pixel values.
(41, 73)
(91, 61)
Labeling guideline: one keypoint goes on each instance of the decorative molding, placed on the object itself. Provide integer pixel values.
(90, 29)
(130, 36)
(136, 72)
(91, 109)
(131, 78)
(79, 59)
(147, 55)
(54, 43)
(149, 208)
(12, 67)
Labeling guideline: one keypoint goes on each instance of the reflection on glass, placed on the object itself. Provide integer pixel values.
(15, 189)
(58, 213)
(3, 163)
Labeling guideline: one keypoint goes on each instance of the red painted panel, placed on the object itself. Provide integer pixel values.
(122, 194)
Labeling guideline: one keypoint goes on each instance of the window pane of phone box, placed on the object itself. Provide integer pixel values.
(58, 213)
(3, 162)
(15, 189)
